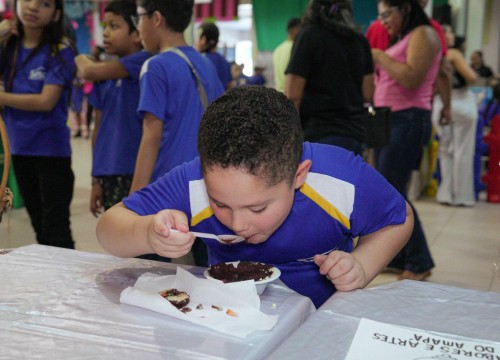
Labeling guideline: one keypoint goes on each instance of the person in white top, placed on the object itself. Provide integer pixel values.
(281, 55)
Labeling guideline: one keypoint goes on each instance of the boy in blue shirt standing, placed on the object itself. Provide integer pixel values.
(118, 126)
(290, 200)
(170, 101)
(208, 38)
(176, 86)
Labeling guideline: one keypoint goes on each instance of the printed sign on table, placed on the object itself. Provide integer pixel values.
(379, 341)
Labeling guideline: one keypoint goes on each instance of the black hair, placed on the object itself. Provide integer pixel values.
(334, 15)
(52, 35)
(211, 32)
(413, 16)
(124, 8)
(255, 129)
(293, 23)
(459, 42)
(479, 53)
(177, 13)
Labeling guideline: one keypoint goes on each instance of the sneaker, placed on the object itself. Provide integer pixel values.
(408, 275)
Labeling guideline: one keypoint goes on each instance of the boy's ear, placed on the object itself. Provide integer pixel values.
(301, 174)
(157, 18)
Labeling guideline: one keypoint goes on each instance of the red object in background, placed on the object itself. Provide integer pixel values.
(492, 177)
(220, 10)
(8, 15)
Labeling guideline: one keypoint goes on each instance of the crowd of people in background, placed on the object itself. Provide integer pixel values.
(148, 98)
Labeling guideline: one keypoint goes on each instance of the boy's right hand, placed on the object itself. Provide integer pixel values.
(166, 243)
(82, 61)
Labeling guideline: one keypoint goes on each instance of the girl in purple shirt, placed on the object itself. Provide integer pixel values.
(37, 69)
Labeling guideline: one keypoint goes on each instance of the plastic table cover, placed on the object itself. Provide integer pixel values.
(328, 333)
(64, 304)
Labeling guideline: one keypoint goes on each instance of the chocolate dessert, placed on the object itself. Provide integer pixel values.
(177, 298)
(239, 271)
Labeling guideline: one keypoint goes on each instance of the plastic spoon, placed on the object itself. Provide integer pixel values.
(223, 239)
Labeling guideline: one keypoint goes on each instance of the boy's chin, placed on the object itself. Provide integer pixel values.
(256, 239)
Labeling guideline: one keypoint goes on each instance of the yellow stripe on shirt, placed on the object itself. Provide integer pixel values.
(205, 214)
(325, 205)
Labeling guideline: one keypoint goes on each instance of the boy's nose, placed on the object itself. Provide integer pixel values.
(238, 223)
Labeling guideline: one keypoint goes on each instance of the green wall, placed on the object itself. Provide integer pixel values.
(271, 17)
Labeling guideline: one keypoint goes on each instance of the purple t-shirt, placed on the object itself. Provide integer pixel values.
(39, 133)
(120, 128)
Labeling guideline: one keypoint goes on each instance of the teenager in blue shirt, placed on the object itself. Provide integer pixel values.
(208, 38)
(118, 127)
(37, 70)
(290, 200)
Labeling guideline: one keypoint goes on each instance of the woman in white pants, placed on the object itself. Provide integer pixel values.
(457, 140)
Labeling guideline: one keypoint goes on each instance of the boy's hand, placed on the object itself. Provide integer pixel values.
(166, 243)
(342, 269)
(82, 61)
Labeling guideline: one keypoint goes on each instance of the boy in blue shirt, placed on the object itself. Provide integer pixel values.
(290, 200)
(176, 86)
(208, 38)
(115, 97)
(170, 102)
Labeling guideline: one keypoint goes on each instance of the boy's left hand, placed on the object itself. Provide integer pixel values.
(342, 269)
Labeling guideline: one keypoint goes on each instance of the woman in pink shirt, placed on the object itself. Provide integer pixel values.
(404, 78)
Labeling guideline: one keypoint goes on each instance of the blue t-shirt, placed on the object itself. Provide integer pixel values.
(38, 133)
(76, 97)
(120, 128)
(342, 195)
(222, 66)
(168, 91)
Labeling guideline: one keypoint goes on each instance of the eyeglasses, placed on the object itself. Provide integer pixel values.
(386, 14)
(137, 18)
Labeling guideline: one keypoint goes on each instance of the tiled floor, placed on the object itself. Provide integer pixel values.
(465, 242)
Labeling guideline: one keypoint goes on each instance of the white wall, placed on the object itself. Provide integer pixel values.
(475, 21)
(491, 37)
(479, 22)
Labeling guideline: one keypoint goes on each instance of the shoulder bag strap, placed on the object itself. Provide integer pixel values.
(199, 85)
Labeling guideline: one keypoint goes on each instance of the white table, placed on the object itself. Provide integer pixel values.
(64, 304)
(328, 333)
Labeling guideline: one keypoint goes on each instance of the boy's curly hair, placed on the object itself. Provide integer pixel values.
(253, 128)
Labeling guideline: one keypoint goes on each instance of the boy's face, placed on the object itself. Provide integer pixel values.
(247, 204)
(201, 43)
(117, 37)
(147, 30)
